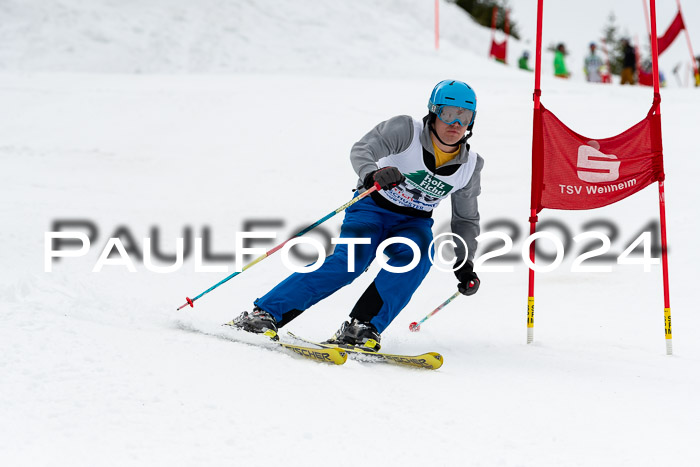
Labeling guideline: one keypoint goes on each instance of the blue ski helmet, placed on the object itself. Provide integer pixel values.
(455, 93)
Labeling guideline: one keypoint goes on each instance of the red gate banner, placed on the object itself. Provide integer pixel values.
(670, 35)
(571, 171)
(645, 78)
(498, 50)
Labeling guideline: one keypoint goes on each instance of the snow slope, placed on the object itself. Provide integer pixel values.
(220, 36)
(99, 369)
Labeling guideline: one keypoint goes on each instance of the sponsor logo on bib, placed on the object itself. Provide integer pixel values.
(428, 184)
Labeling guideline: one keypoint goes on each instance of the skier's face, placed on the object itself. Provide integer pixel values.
(450, 134)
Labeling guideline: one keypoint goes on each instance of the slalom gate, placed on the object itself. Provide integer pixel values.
(607, 170)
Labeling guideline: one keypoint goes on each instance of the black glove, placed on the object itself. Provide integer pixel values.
(388, 178)
(468, 280)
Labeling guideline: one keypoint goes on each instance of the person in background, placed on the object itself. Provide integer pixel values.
(522, 61)
(592, 65)
(560, 70)
(629, 63)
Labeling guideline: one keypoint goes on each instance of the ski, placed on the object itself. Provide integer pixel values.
(428, 361)
(323, 355)
(336, 356)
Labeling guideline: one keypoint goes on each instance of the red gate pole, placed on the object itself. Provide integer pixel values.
(638, 59)
(608, 77)
(662, 195)
(536, 129)
(646, 16)
(437, 24)
(493, 30)
(690, 47)
(507, 31)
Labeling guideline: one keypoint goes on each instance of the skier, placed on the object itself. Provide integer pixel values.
(522, 61)
(592, 66)
(629, 63)
(560, 70)
(417, 164)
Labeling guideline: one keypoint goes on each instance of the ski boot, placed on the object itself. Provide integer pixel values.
(258, 321)
(362, 336)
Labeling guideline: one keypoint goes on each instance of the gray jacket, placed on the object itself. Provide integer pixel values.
(393, 137)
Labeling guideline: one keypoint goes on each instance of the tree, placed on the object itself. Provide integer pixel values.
(613, 42)
(482, 10)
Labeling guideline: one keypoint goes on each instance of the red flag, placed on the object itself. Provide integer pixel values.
(670, 35)
(498, 50)
(571, 171)
(645, 78)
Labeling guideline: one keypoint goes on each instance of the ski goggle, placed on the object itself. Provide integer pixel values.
(450, 114)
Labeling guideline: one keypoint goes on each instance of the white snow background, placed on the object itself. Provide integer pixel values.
(155, 117)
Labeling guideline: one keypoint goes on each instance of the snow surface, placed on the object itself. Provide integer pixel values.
(171, 116)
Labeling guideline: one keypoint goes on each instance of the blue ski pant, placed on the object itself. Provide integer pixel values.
(387, 295)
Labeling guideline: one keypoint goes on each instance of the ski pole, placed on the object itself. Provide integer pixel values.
(190, 301)
(415, 326)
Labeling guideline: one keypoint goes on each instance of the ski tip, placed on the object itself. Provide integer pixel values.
(438, 360)
(342, 357)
